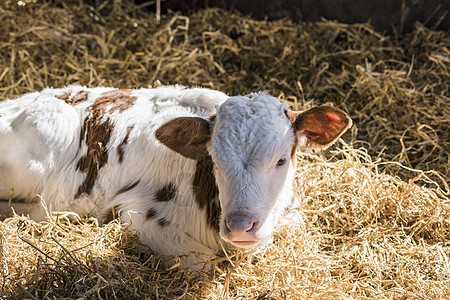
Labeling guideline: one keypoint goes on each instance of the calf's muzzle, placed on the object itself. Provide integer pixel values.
(241, 229)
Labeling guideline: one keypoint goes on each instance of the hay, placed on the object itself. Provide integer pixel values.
(376, 221)
(365, 235)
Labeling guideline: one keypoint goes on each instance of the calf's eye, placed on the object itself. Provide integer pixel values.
(281, 161)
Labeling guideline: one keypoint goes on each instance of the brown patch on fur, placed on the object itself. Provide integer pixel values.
(65, 97)
(206, 191)
(77, 98)
(97, 137)
(127, 188)
(121, 148)
(98, 134)
(167, 193)
(117, 99)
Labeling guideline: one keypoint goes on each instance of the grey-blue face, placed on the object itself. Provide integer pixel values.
(251, 147)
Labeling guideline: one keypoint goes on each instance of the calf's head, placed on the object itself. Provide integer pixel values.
(252, 141)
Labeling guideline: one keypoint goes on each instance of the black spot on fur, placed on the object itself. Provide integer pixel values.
(121, 148)
(151, 213)
(127, 188)
(163, 222)
(206, 191)
(167, 193)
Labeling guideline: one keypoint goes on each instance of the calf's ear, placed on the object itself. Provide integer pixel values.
(319, 127)
(186, 135)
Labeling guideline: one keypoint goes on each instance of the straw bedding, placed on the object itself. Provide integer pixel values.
(376, 212)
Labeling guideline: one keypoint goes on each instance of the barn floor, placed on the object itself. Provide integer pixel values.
(376, 207)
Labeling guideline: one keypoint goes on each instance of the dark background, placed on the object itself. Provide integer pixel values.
(384, 15)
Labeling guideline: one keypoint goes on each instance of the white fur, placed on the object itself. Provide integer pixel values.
(39, 150)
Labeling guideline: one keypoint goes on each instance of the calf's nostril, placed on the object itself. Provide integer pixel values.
(240, 224)
(252, 227)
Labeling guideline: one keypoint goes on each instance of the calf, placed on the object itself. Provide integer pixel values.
(186, 168)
